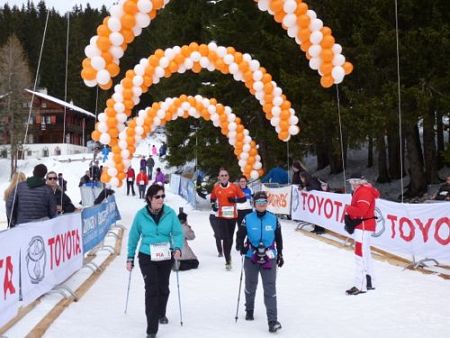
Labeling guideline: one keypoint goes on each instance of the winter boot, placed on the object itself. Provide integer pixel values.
(274, 326)
(354, 291)
(220, 254)
(151, 335)
(369, 283)
(163, 320)
(228, 266)
(249, 315)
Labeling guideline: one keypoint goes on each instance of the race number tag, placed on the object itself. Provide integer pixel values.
(141, 182)
(130, 179)
(160, 252)
(227, 212)
(270, 254)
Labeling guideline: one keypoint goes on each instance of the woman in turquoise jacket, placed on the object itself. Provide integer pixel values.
(161, 235)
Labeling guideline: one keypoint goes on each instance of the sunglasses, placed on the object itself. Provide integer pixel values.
(261, 201)
(157, 197)
(52, 178)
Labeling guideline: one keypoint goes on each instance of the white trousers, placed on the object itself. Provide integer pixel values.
(363, 258)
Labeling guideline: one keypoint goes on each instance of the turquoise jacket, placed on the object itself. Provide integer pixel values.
(145, 229)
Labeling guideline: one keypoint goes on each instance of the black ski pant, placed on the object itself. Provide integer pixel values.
(156, 278)
(130, 184)
(216, 228)
(227, 227)
(142, 191)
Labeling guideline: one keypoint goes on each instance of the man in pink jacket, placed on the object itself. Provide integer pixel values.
(362, 208)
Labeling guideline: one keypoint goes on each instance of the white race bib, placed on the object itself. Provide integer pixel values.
(141, 182)
(227, 212)
(130, 179)
(160, 252)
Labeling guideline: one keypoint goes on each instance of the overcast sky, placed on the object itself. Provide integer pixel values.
(63, 5)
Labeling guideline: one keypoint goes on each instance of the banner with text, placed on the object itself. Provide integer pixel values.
(51, 252)
(9, 274)
(420, 230)
(279, 199)
(97, 221)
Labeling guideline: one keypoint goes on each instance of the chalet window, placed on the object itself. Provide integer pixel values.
(48, 119)
(29, 153)
(44, 104)
(30, 138)
(38, 119)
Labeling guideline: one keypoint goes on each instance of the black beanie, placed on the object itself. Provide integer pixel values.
(40, 170)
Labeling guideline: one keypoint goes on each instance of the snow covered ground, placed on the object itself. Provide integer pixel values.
(311, 285)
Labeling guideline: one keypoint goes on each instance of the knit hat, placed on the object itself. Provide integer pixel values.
(40, 170)
(260, 195)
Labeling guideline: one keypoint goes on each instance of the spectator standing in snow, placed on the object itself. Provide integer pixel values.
(188, 259)
(154, 151)
(85, 179)
(16, 178)
(143, 164)
(263, 251)
(161, 238)
(94, 171)
(160, 178)
(246, 207)
(150, 165)
(224, 197)
(362, 207)
(63, 203)
(309, 183)
(62, 182)
(142, 181)
(130, 181)
(276, 175)
(34, 200)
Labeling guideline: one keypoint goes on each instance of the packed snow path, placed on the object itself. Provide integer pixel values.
(311, 299)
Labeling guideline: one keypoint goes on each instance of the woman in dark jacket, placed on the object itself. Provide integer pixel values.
(311, 183)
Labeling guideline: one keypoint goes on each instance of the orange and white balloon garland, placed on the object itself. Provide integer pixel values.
(184, 106)
(195, 57)
(129, 17)
(314, 38)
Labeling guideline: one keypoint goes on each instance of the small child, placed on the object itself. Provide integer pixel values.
(188, 259)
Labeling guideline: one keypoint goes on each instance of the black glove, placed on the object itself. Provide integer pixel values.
(241, 248)
(280, 260)
(214, 206)
(232, 199)
(130, 260)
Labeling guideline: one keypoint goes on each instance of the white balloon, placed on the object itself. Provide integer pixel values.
(247, 139)
(242, 163)
(211, 67)
(138, 80)
(338, 60)
(105, 138)
(116, 11)
(116, 51)
(170, 53)
(276, 90)
(121, 117)
(316, 25)
(277, 101)
(144, 62)
(294, 130)
(221, 51)
(103, 77)
(254, 174)
(337, 48)
(315, 50)
(315, 63)
(292, 31)
(139, 130)
(276, 111)
(290, 20)
(137, 91)
(136, 100)
(258, 165)
(258, 86)
(243, 156)
(139, 121)
(137, 30)
(246, 148)
(122, 136)
(119, 107)
(232, 126)
(289, 6)
(164, 62)
(98, 62)
(293, 120)
(338, 74)
(91, 51)
(188, 63)
(257, 75)
(182, 69)
(212, 46)
(228, 110)
(254, 65)
(228, 59)
(156, 121)
(112, 171)
(161, 114)
(263, 5)
(139, 70)
(90, 83)
(275, 121)
(145, 6)
(259, 96)
(316, 37)
(116, 38)
(238, 76)
(114, 24)
(114, 182)
(123, 144)
(234, 68)
(311, 14)
(204, 62)
(142, 20)
(246, 57)
(196, 56)
(159, 72)
(117, 97)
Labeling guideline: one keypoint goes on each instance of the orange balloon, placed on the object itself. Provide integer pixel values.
(327, 55)
(348, 67)
(303, 21)
(103, 30)
(203, 49)
(279, 16)
(128, 21)
(103, 43)
(327, 41)
(326, 68)
(326, 81)
(276, 5)
(88, 73)
(95, 135)
(326, 30)
(157, 4)
(113, 69)
(130, 7)
(128, 35)
(106, 86)
(86, 63)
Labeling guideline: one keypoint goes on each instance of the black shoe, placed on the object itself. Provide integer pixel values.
(354, 291)
(369, 283)
(151, 335)
(274, 326)
(163, 320)
(249, 315)
(220, 254)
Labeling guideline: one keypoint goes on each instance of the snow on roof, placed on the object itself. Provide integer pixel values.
(61, 102)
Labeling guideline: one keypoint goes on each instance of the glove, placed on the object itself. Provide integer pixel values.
(130, 260)
(214, 207)
(280, 260)
(241, 248)
(232, 199)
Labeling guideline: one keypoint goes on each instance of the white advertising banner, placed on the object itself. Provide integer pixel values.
(279, 200)
(51, 253)
(420, 230)
(9, 274)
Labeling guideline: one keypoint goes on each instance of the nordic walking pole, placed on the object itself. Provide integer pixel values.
(239, 292)
(177, 267)
(128, 291)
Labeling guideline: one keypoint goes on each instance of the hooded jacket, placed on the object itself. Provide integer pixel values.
(363, 206)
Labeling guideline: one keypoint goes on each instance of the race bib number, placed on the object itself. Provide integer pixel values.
(270, 254)
(160, 252)
(141, 182)
(227, 212)
(130, 179)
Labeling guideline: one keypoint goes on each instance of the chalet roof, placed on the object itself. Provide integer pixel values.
(61, 102)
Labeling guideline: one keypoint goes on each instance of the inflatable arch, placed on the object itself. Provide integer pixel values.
(129, 17)
(196, 57)
(184, 106)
